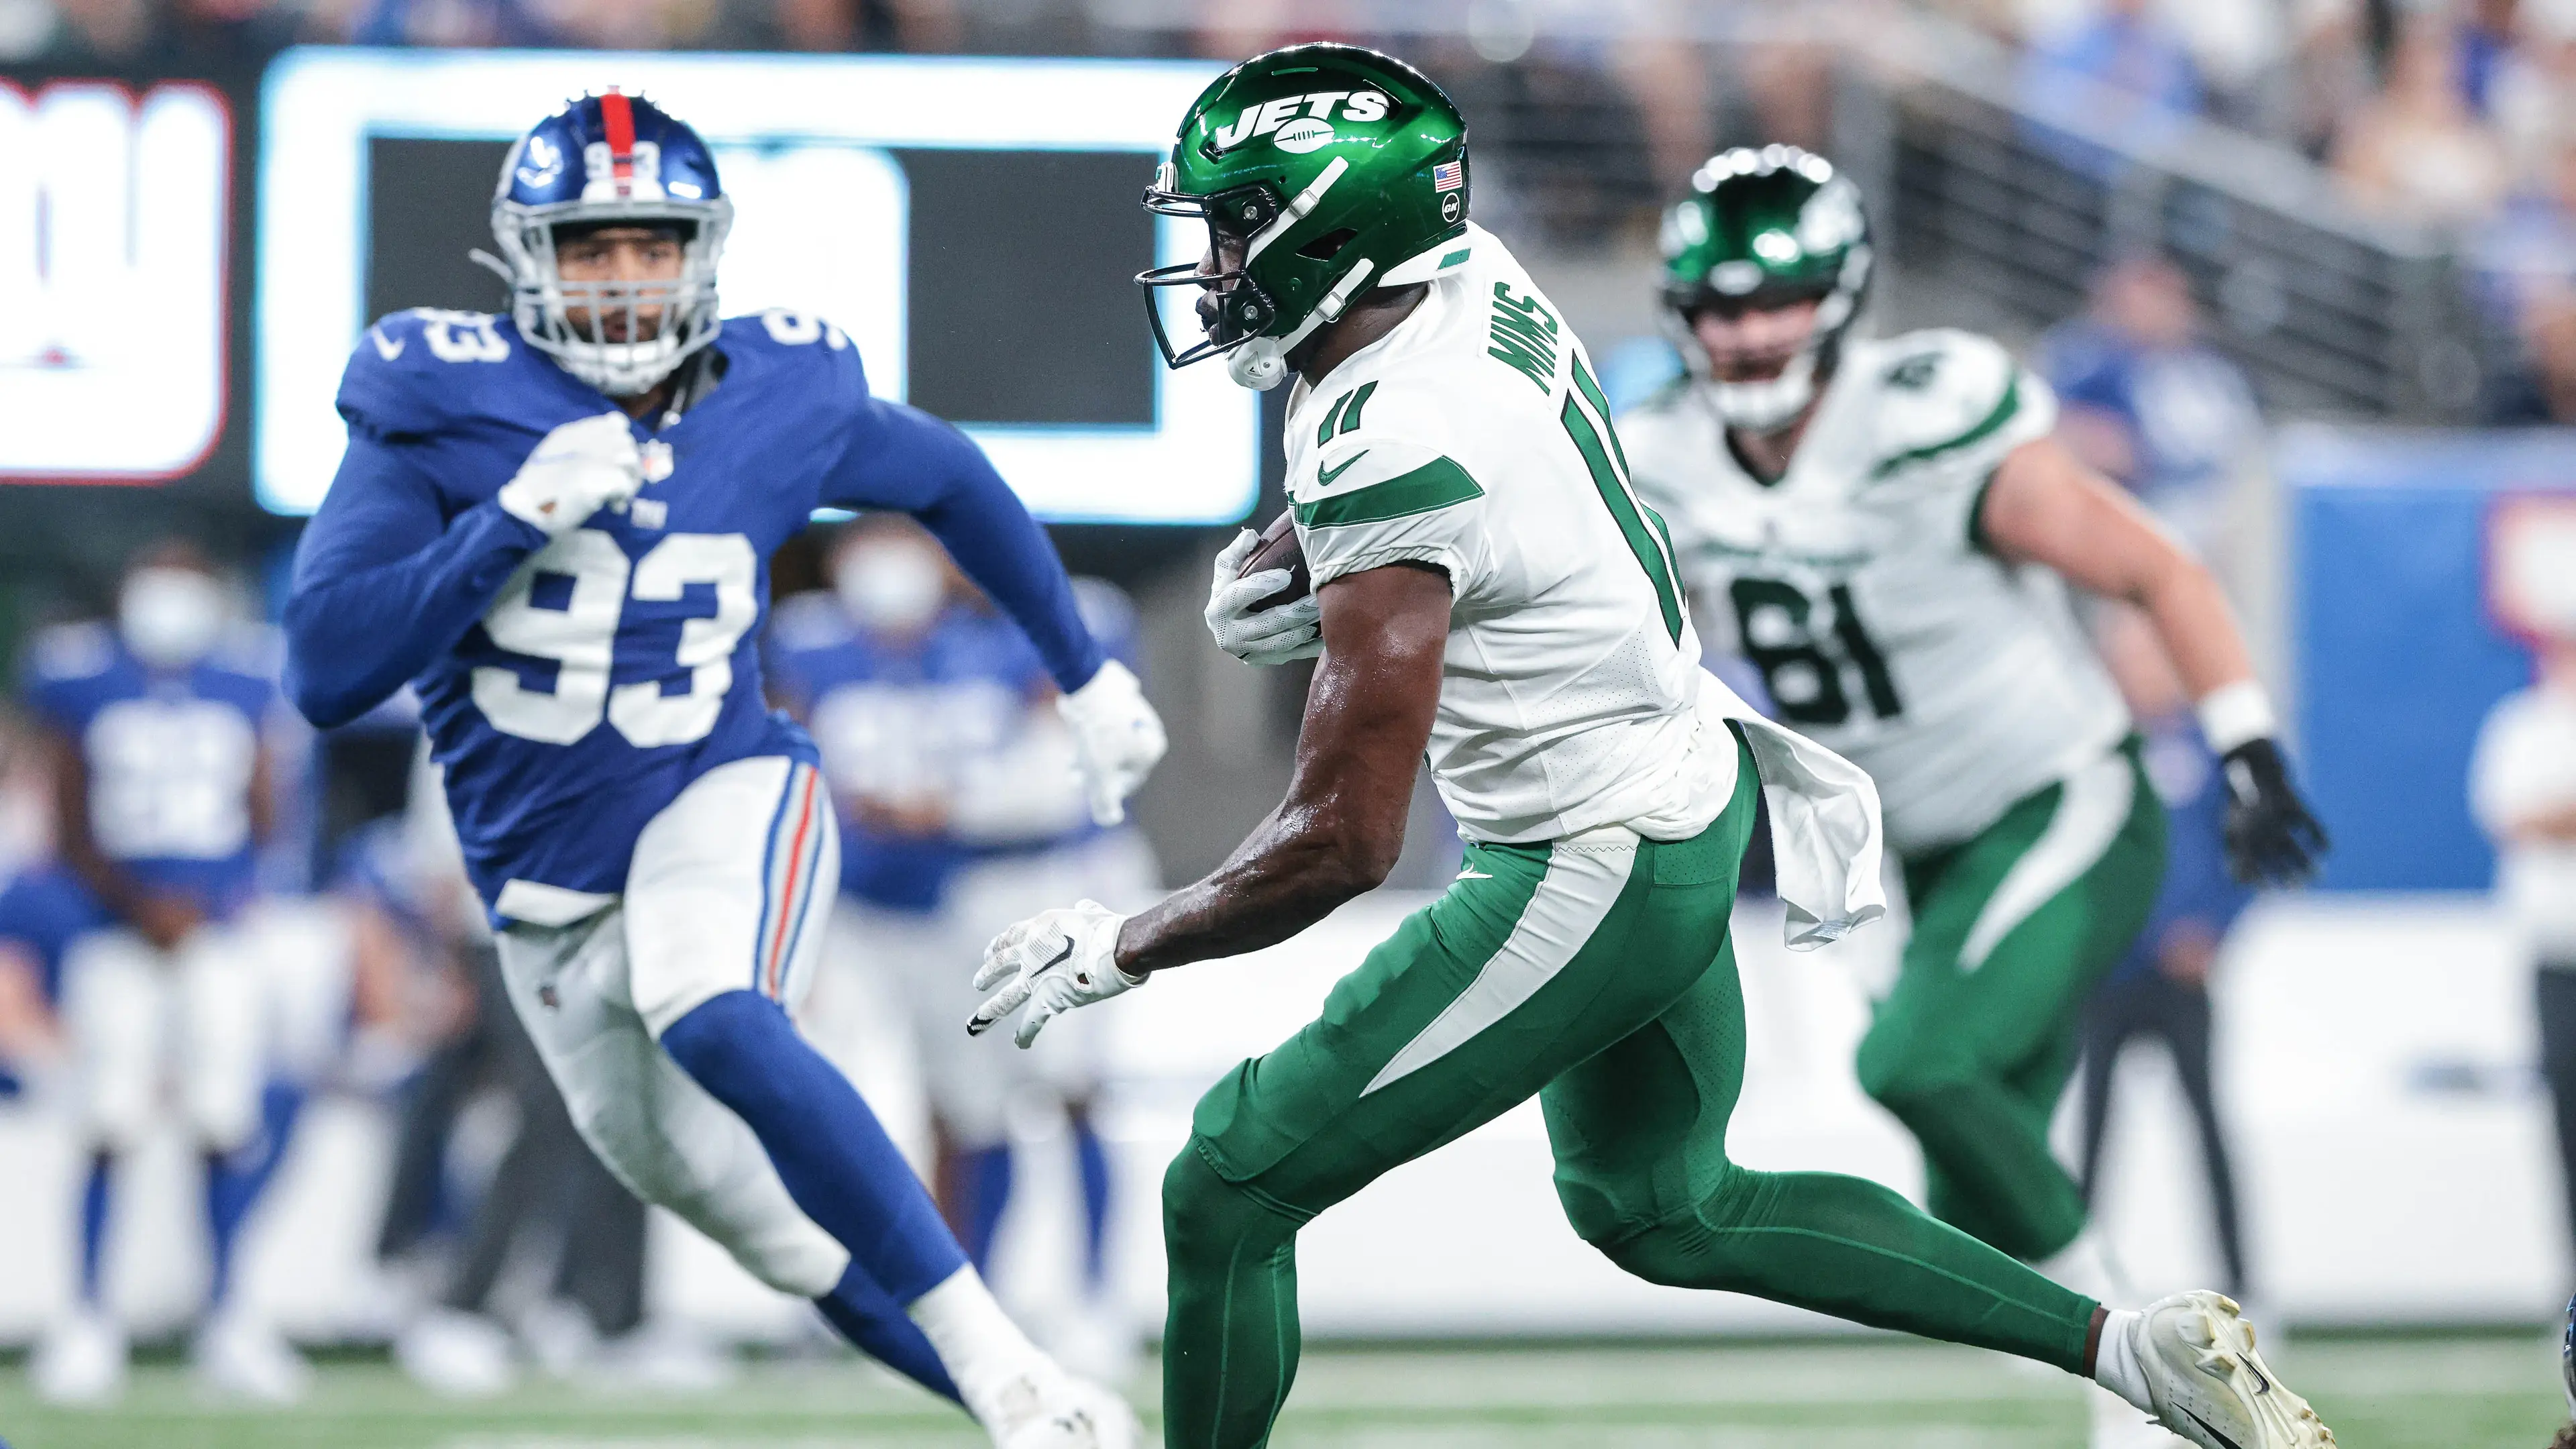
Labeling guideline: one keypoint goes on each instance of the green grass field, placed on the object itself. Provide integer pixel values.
(2485, 1392)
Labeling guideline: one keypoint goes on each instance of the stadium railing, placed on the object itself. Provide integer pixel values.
(2021, 193)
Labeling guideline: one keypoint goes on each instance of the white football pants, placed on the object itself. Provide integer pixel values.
(728, 891)
(971, 1082)
(138, 1017)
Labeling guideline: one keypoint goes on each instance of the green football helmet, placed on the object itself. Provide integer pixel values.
(1329, 169)
(1762, 229)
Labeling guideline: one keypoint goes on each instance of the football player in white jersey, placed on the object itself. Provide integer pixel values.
(1884, 529)
(1489, 596)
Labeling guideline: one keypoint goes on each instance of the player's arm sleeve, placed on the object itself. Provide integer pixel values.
(1389, 502)
(901, 457)
(383, 582)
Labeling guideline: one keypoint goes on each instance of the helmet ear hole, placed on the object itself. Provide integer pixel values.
(1328, 246)
(1250, 311)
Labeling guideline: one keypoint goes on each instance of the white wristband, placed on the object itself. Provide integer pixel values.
(2236, 714)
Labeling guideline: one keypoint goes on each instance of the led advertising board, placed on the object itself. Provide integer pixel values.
(971, 224)
(114, 218)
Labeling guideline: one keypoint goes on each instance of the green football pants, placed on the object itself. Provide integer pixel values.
(1595, 972)
(2012, 931)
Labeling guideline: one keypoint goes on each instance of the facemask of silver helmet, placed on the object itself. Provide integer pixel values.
(610, 160)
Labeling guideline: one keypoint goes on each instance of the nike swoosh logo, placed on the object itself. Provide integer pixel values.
(1325, 476)
(387, 348)
(2214, 1431)
(1471, 873)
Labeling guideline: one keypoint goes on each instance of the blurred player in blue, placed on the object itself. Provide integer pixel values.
(155, 739)
(556, 525)
(2160, 988)
(31, 962)
(2147, 400)
(941, 742)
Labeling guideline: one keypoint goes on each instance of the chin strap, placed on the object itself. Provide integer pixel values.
(1261, 363)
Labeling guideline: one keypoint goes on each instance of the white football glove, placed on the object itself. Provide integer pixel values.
(1054, 961)
(1272, 636)
(578, 469)
(1117, 738)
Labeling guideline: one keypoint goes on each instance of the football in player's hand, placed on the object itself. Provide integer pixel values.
(1278, 549)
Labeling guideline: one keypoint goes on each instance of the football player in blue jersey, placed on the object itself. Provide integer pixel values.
(42, 910)
(556, 525)
(155, 739)
(941, 743)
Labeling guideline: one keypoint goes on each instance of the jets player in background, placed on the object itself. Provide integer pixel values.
(1490, 600)
(155, 731)
(1886, 529)
(556, 525)
(959, 814)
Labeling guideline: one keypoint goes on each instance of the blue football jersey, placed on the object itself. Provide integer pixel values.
(172, 754)
(2189, 412)
(619, 662)
(373, 866)
(2198, 886)
(45, 909)
(899, 720)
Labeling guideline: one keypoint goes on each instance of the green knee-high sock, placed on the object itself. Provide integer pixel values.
(1853, 1249)
(1230, 1338)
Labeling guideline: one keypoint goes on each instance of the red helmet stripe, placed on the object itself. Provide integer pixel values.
(618, 115)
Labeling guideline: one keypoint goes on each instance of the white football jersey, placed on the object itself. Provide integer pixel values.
(1857, 584)
(1474, 437)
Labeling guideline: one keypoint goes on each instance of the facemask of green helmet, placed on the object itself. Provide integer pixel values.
(1322, 171)
(1762, 229)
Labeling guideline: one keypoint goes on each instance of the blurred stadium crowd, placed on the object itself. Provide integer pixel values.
(2454, 116)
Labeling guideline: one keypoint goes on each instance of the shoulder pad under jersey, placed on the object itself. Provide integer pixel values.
(1943, 393)
(414, 373)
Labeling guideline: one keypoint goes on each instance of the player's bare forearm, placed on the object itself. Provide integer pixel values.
(1287, 876)
(2555, 825)
(29, 1031)
(1337, 834)
(263, 796)
(2198, 629)
(2045, 507)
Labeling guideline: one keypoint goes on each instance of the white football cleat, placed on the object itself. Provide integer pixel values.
(558, 1337)
(2210, 1386)
(1059, 1411)
(80, 1360)
(456, 1354)
(244, 1357)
